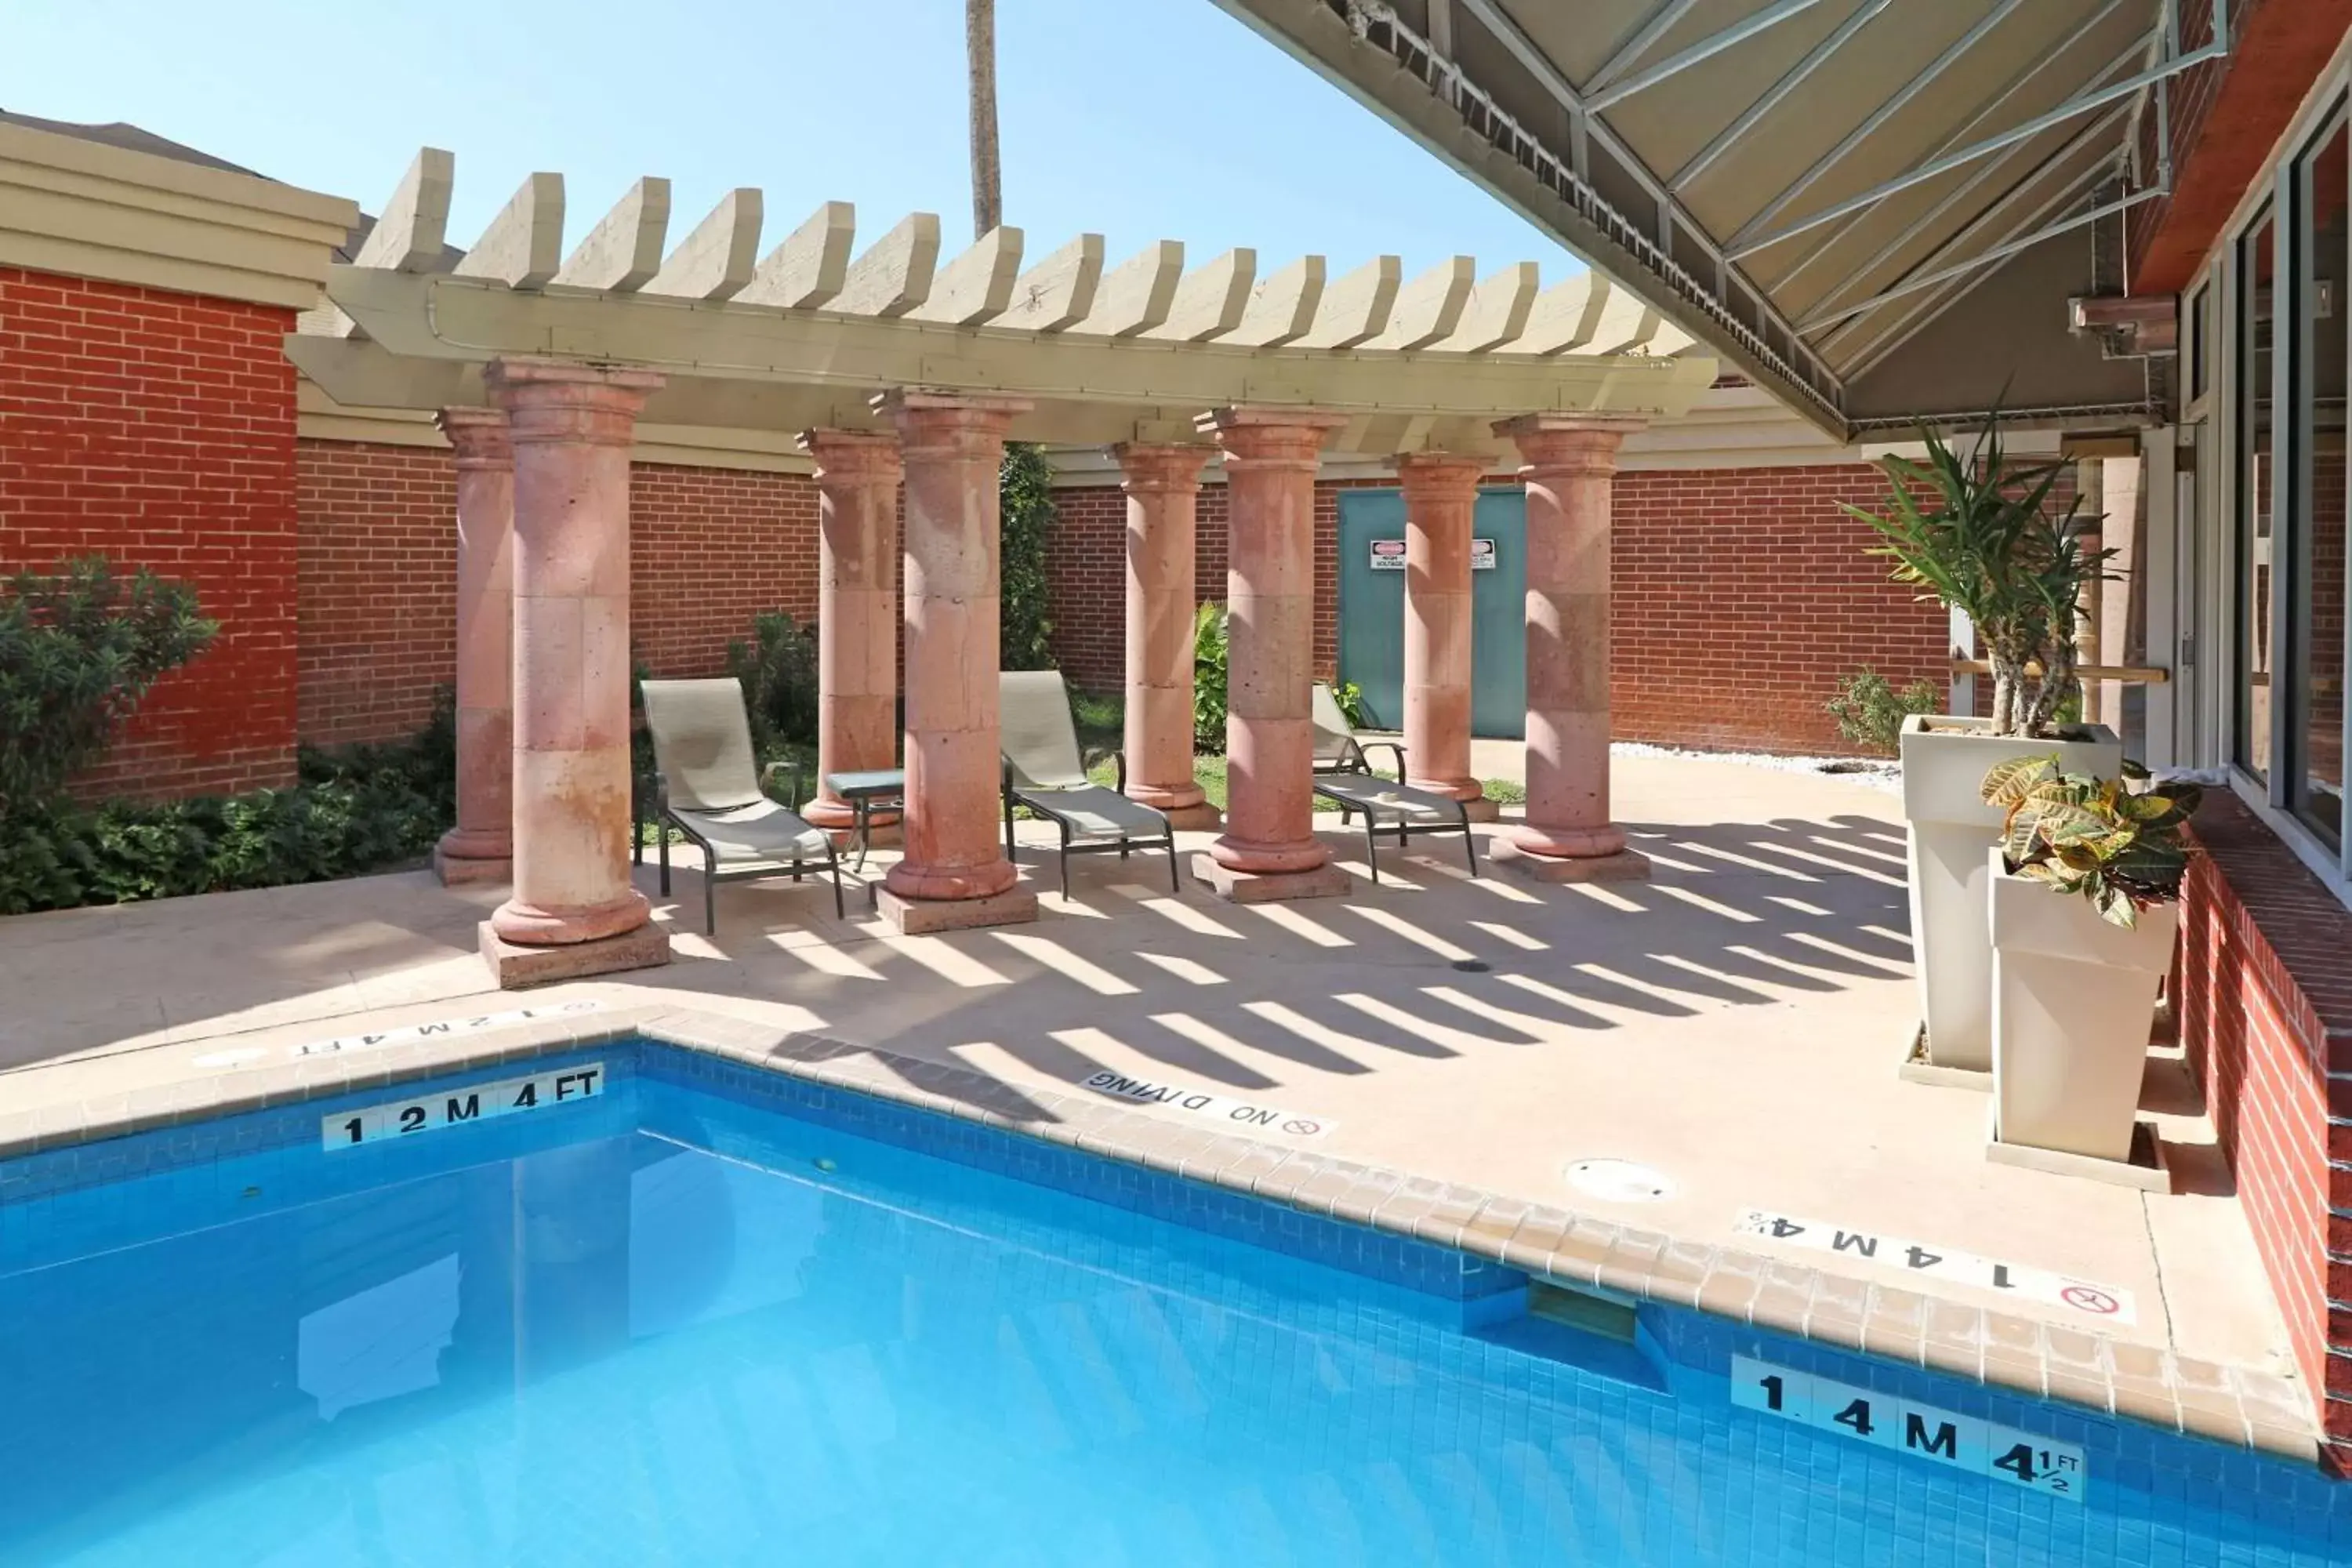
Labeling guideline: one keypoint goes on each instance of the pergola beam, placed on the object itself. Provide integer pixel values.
(436, 319)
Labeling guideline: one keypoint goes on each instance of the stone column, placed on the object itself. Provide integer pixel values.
(573, 911)
(1441, 494)
(480, 847)
(953, 873)
(1162, 486)
(857, 611)
(1269, 849)
(1568, 836)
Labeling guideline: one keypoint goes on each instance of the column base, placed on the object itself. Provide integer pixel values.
(921, 917)
(1625, 866)
(1199, 818)
(456, 869)
(1324, 881)
(514, 967)
(1481, 809)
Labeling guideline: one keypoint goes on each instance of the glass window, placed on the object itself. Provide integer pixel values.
(2256, 253)
(2314, 571)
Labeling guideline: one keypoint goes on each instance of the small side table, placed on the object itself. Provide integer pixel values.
(864, 792)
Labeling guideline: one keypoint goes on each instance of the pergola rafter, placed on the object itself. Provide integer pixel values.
(802, 339)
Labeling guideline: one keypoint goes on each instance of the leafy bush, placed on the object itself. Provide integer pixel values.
(1350, 698)
(2123, 848)
(357, 810)
(79, 648)
(1870, 713)
(1977, 535)
(1211, 650)
(778, 669)
(1025, 491)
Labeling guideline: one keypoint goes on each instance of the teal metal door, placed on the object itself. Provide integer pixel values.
(1371, 607)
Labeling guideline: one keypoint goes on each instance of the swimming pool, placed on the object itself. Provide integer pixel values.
(687, 1311)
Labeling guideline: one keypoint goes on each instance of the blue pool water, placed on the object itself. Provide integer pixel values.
(709, 1317)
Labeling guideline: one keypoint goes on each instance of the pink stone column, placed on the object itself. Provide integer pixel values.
(1441, 494)
(1271, 458)
(857, 474)
(480, 847)
(1162, 486)
(572, 426)
(954, 854)
(1569, 461)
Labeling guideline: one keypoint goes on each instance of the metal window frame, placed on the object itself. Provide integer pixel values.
(2292, 610)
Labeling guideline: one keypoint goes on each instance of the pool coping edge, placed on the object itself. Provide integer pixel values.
(2199, 1399)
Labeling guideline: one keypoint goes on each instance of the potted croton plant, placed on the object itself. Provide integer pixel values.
(2075, 974)
(1982, 535)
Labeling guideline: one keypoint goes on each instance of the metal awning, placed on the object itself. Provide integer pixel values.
(1877, 208)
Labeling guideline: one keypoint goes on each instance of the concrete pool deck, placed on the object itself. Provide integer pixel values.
(1733, 1025)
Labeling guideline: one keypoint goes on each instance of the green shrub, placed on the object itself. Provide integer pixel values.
(1350, 698)
(358, 809)
(1870, 713)
(1211, 650)
(79, 648)
(1026, 491)
(778, 669)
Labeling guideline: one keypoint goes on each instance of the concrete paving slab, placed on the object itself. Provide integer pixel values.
(1726, 1024)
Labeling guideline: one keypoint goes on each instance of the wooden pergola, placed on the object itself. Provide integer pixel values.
(895, 370)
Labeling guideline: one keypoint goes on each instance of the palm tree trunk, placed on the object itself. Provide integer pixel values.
(987, 175)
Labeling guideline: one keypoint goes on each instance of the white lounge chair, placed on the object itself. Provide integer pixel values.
(1044, 772)
(711, 785)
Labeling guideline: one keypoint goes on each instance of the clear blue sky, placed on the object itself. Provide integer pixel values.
(1140, 119)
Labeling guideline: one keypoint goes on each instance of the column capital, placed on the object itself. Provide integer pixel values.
(480, 436)
(1439, 471)
(1278, 438)
(853, 454)
(559, 400)
(1149, 467)
(1585, 443)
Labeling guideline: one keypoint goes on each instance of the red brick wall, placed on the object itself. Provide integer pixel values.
(1741, 598)
(2263, 995)
(378, 578)
(158, 428)
(709, 548)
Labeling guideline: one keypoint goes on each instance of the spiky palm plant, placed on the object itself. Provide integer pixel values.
(1979, 534)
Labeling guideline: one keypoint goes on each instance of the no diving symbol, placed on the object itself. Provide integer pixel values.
(1302, 1127)
(2083, 1299)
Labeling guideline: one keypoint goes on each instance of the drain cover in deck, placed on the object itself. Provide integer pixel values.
(1619, 1181)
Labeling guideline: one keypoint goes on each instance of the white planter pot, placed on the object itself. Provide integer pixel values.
(1945, 760)
(2073, 998)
